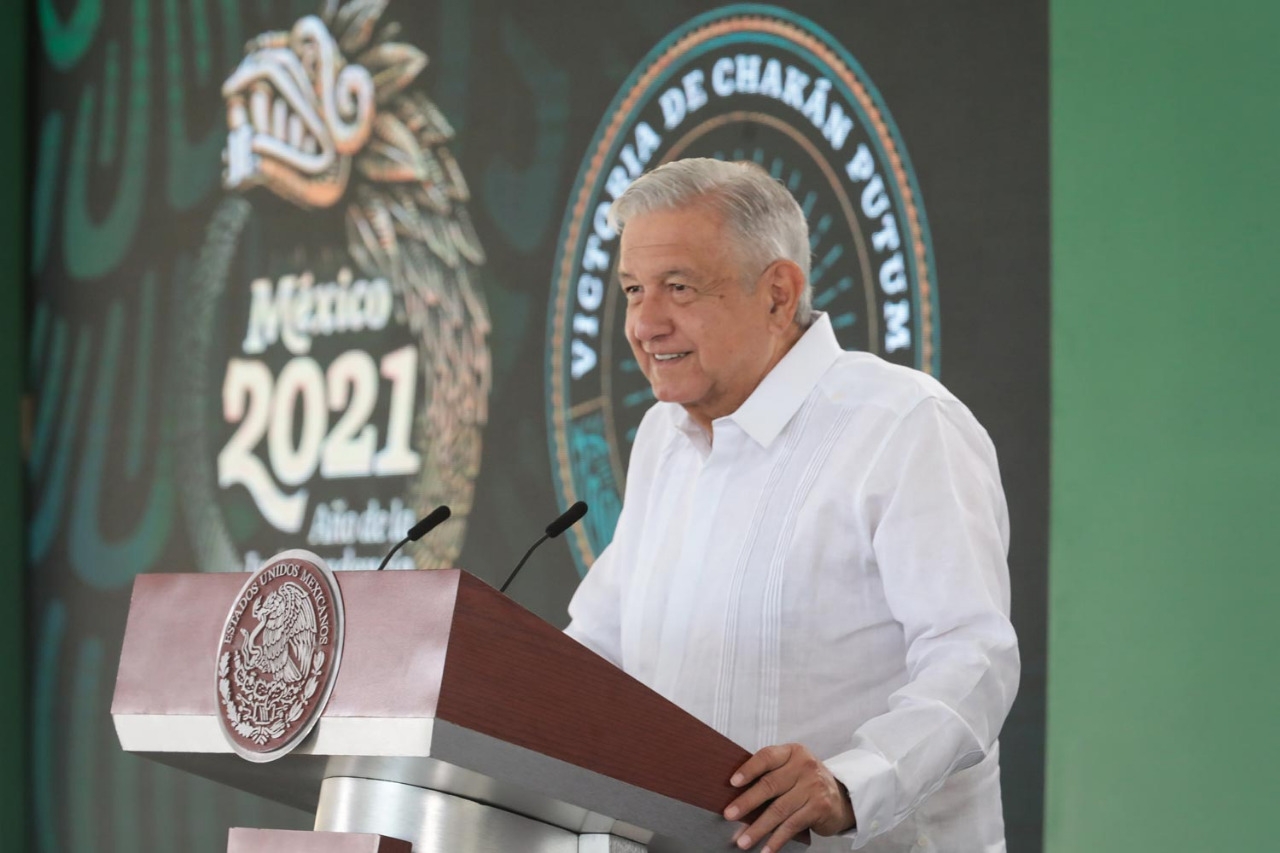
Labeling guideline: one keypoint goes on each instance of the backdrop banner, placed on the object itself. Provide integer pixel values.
(301, 271)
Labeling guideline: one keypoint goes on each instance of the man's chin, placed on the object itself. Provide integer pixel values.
(670, 395)
(691, 403)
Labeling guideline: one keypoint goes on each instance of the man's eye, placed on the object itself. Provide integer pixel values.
(678, 287)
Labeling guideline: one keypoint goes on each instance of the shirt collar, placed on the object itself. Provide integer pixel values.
(783, 390)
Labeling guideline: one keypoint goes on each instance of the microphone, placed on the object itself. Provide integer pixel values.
(422, 528)
(567, 519)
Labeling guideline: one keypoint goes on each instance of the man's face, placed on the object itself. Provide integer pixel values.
(701, 339)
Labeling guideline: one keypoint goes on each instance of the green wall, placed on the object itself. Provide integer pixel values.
(1164, 690)
(13, 232)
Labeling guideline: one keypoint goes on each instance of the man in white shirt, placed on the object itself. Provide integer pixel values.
(811, 552)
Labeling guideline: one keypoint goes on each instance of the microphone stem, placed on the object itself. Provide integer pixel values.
(520, 564)
(391, 554)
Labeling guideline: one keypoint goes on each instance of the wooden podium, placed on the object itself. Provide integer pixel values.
(459, 721)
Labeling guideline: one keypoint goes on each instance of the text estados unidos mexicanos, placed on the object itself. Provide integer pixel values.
(290, 570)
(742, 74)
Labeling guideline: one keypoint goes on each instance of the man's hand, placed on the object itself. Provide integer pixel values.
(804, 793)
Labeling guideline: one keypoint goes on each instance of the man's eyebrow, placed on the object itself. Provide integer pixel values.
(683, 272)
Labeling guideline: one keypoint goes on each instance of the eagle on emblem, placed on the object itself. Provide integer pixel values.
(285, 637)
(321, 115)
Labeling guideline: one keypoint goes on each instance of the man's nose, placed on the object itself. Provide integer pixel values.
(649, 318)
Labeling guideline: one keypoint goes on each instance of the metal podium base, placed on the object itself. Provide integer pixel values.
(435, 822)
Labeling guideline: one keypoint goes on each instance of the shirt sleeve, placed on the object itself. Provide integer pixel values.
(596, 609)
(940, 534)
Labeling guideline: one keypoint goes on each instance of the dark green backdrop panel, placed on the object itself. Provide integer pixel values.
(13, 687)
(1164, 698)
(146, 274)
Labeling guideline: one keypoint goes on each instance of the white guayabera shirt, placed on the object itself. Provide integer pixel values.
(829, 571)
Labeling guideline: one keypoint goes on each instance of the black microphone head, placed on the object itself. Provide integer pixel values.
(423, 527)
(571, 516)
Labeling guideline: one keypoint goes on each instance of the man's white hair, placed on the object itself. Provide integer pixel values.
(760, 211)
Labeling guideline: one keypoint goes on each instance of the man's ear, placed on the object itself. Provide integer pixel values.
(785, 282)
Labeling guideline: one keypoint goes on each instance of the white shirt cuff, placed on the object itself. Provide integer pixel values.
(871, 782)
